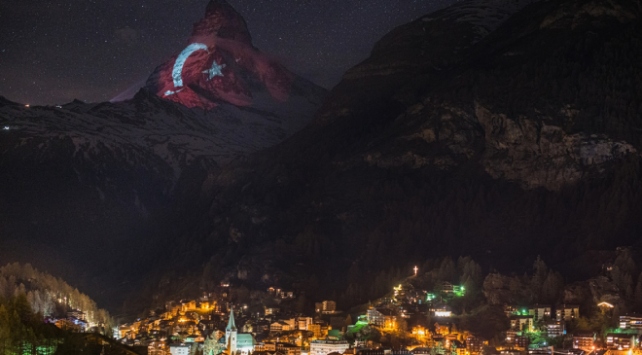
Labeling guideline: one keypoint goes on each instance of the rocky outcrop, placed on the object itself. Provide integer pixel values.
(540, 155)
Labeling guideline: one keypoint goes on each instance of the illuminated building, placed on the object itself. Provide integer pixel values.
(280, 326)
(375, 317)
(442, 329)
(474, 345)
(156, 348)
(77, 314)
(304, 323)
(71, 324)
(584, 342)
(440, 310)
(522, 341)
(265, 346)
(288, 349)
(567, 312)
(231, 334)
(326, 307)
(511, 335)
(390, 323)
(420, 332)
(459, 291)
(320, 330)
(236, 343)
(540, 312)
(188, 306)
(521, 323)
(181, 349)
(554, 329)
(417, 351)
(446, 287)
(207, 306)
(324, 347)
(619, 341)
(631, 321)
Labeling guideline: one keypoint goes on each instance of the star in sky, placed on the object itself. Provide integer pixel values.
(215, 70)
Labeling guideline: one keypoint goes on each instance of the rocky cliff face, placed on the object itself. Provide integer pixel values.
(530, 152)
(499, 129)
(534, 138)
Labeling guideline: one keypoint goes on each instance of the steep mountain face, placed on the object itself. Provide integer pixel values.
(87, 186)
(502, 137)
(219, 64)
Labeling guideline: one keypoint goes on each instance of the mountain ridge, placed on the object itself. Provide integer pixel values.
(87, 186)
(521, 144)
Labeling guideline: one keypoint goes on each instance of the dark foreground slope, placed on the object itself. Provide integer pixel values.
(469, 131)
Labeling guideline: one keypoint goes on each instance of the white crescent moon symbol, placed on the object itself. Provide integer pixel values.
(177, 72)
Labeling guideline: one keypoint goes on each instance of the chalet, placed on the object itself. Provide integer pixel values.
(554, 329)
(324, 347)
(522, 323)
(584, 341)
(631, 321)
(280, 326)
(567, 312)
(540, 312)
(619, 341)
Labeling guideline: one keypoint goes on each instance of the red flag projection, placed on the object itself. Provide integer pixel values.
(219, 64)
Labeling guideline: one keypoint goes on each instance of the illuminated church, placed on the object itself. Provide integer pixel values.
(237, 343)
(232, 343)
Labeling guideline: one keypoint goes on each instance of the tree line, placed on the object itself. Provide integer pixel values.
(48, 295)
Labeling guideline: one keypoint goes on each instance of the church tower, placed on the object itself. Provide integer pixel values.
(231, 334)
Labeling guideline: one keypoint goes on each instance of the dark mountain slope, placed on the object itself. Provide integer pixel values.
(501, 139)
(86, 188)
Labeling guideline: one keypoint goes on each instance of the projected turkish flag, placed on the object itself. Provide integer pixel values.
(220, 65)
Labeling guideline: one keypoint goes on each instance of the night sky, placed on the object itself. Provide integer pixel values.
(54, 51)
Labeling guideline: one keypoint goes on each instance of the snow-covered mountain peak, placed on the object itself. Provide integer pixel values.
(220, 65)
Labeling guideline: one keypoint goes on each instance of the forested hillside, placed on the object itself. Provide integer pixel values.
(48, 295)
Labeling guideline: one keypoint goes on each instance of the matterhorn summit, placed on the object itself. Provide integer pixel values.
(219, 65)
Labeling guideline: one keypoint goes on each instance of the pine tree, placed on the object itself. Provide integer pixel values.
(552, 287)
(637, 298)
(540, 273)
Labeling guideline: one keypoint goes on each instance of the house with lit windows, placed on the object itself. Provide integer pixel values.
(567, 312)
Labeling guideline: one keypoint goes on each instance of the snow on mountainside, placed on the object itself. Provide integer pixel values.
(485, 15)
(245, 107)
(147, 127)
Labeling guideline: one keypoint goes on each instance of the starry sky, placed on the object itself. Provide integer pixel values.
(54, 51)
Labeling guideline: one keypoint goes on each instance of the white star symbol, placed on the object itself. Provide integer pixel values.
(215, 70)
